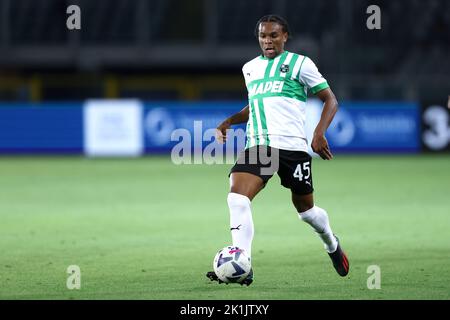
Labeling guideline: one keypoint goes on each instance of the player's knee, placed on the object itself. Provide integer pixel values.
(238, 201)
(303, 207)
(302, 204)
(244, 190)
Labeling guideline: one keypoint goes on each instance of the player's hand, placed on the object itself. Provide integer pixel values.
(221, 131)
(320, 146)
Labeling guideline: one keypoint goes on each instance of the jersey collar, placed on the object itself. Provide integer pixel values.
(281, 54)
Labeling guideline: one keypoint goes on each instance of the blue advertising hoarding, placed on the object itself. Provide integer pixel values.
(194, 121)
(376, 127)
(41, 128)
(357, 127)
(60, 127)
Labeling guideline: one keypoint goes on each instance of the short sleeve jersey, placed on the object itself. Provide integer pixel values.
(277, 93)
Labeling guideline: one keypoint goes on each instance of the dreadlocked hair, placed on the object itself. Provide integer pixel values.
(273, 18)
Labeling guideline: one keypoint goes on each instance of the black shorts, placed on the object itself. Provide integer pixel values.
(293, 167)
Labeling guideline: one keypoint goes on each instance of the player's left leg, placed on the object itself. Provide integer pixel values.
(317, 218)
(295, 172)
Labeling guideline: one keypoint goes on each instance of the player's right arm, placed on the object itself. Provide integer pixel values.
(237, 118)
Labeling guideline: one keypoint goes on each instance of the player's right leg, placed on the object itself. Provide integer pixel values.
(247, 178)
(246, 181)
(244, 187)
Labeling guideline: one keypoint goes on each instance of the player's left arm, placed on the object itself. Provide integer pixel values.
(319, 143)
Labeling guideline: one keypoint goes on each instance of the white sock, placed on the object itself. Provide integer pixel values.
(318, 219)
(241, 222)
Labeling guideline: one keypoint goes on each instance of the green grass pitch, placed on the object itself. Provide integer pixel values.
(147, 229)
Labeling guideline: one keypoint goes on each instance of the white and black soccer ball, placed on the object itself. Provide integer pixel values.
(231, 264)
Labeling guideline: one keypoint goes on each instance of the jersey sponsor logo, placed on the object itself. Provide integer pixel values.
(284, 68)
(265, 87)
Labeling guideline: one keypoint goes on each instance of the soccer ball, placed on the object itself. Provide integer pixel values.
(231, 264)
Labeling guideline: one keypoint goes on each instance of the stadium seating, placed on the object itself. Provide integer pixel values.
(413, 39)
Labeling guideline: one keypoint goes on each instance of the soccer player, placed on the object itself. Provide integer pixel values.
(277, 82)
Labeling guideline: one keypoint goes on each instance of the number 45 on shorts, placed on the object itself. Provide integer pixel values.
(302, 171)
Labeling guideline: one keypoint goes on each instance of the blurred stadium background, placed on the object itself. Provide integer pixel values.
(187, 50)
(138, 69)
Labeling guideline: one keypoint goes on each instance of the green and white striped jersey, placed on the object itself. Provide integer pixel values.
(277, 92)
